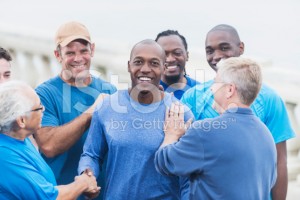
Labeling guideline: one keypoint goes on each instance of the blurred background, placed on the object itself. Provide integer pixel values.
(269, 29)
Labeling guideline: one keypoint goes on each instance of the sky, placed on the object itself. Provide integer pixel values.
(270, 29)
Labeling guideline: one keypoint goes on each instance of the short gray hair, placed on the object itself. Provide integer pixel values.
(13, 103)
(245, 74)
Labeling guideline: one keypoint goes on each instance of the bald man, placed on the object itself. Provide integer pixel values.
(131, 133)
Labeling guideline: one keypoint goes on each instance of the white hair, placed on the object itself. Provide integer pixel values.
(13, 103)
(245, 74)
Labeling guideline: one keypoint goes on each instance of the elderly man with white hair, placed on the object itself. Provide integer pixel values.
(232, 156)
(25, 174)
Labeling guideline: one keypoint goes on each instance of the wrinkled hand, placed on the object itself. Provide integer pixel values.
(92, 190)
(97, 101)
(174, 126)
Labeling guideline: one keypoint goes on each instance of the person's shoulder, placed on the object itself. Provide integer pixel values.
(267, 94)
(112, 101)
(191, 82)
(49, 84)
(103, 85)
(119, 95)
(7, 152)
(198, 89)
(165, 86)
(267, 90)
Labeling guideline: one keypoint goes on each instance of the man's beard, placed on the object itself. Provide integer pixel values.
(172, 79)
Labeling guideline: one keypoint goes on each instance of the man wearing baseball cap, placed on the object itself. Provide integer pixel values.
(69, 99)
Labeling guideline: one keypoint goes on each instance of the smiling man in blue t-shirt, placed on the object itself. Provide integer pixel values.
(69, 99)
(174, 78)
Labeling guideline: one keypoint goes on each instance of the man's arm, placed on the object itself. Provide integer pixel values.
(56, 140)
(279, 190)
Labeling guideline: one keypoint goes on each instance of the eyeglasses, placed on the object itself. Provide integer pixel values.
(42, 108)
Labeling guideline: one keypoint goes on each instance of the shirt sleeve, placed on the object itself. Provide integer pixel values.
(276, 118)
(183, 157)
(21, 180)
(95, 147)
(50, 116)
(188, 98)
(199, 99)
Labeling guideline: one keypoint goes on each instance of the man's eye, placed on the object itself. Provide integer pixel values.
(209, 51)
(178, 53)
(85, 51)
(224, 48)
(155, 63)
(70, 53)
(137, 62)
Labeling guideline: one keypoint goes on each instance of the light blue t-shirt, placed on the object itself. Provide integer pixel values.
(218, 156)
(268, 106)
(24, 173)
(63, 103)
(129, 133)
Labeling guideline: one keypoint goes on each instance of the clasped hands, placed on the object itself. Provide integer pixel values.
(92, 190)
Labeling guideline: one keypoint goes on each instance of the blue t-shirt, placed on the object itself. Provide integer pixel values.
(63, 103)
(268, 106)
(232, 157)
(24, 173)
(129, 133)
(179, 92)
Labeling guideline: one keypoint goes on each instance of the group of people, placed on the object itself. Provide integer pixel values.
(162, 138)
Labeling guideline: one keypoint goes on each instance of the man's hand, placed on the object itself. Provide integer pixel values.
(97, 101)
(174, 126)
(92, 190)
(161, 88)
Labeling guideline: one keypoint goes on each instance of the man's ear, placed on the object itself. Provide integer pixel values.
(187, 56)
(57, 56)
(21, 121)
(128, 66)
(92, 49)
(230, 90)
(242, 48)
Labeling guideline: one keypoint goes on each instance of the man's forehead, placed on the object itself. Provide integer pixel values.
(147, 51)
(220, 36)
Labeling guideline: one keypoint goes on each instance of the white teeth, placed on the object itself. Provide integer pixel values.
(172, 67)
(78, 66)
(144, 78)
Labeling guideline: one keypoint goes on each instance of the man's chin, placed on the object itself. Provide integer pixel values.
(172, 78)
(145, 88)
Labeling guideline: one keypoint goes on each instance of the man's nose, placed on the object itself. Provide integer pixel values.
(170, 57)
(78, 57)
(146, 68)
(218, 55)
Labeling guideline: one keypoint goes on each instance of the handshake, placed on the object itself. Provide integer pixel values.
(88, 182)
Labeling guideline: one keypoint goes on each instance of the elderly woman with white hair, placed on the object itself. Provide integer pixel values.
(24, 173)
(232, 156)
